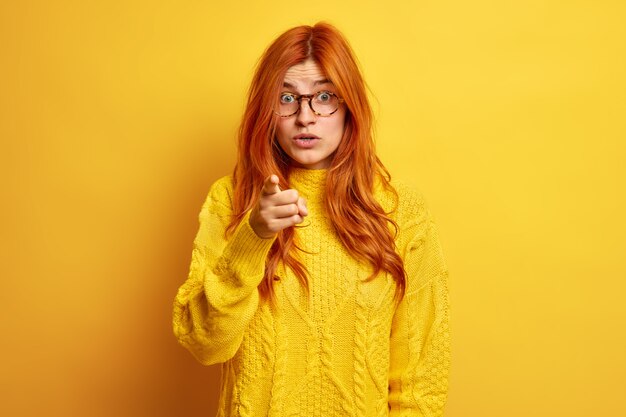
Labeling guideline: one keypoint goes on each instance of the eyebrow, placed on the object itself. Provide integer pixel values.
(317, 82)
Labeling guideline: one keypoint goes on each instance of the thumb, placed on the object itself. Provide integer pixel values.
(302, 208)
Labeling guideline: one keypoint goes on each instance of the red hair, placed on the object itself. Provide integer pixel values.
(357, 217)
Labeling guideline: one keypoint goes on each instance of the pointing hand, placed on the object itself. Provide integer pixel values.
(276, 209)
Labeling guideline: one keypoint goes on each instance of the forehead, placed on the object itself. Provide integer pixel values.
(306, 73)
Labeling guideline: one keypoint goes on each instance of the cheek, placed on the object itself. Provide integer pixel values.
(283, 132)
(340, 125)
(281, 128)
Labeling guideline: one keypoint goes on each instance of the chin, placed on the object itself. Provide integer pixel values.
(306, 162)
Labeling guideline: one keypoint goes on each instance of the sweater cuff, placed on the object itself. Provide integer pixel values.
(247, 252)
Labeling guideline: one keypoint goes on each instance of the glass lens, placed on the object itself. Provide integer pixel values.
(325, 103)
(287, 104)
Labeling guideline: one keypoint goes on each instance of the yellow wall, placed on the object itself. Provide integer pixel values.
(116, 116)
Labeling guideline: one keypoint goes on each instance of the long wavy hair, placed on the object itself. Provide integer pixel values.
(362, 225)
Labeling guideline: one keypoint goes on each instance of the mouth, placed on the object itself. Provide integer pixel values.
(305, 137)
(306, 140)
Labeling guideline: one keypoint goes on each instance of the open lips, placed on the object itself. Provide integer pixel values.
(305, 136)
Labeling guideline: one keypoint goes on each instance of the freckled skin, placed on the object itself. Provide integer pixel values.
(329, 129)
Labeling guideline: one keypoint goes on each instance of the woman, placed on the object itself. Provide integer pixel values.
(317, 282)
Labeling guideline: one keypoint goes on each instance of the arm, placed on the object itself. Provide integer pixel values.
(215, 304)
(420, 339)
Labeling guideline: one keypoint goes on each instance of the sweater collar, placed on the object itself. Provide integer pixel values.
(310, 183)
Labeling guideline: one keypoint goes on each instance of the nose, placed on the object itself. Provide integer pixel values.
(305, 115)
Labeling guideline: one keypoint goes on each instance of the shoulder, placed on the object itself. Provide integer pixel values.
(405, 201)
(220, 194)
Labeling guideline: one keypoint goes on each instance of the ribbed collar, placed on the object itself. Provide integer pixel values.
(310, 183)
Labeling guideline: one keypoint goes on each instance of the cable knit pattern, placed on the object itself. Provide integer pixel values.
(278, 381)
(359, 354)
(344, 349)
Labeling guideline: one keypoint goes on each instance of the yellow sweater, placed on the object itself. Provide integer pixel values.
(346, 351)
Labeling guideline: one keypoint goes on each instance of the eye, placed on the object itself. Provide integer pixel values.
(324, 96)
(287, 98)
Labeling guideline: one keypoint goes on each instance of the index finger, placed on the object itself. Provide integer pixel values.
(270, 186)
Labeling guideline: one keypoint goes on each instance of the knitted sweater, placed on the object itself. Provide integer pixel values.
(346, 350)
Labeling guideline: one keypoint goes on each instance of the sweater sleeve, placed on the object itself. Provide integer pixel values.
(215, 304)
(420, 338)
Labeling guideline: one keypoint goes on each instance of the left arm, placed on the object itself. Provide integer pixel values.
(420, 338)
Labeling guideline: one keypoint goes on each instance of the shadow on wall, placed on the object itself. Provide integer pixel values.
(182, 386)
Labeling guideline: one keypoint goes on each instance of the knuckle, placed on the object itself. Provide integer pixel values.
(272, 227)
(265, 201)
(269, 202)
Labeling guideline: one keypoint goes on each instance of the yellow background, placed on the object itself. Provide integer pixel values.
(116, 116)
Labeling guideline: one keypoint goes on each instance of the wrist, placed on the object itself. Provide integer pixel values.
(254, 225)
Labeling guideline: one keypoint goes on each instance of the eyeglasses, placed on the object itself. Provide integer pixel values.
(323, 103)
